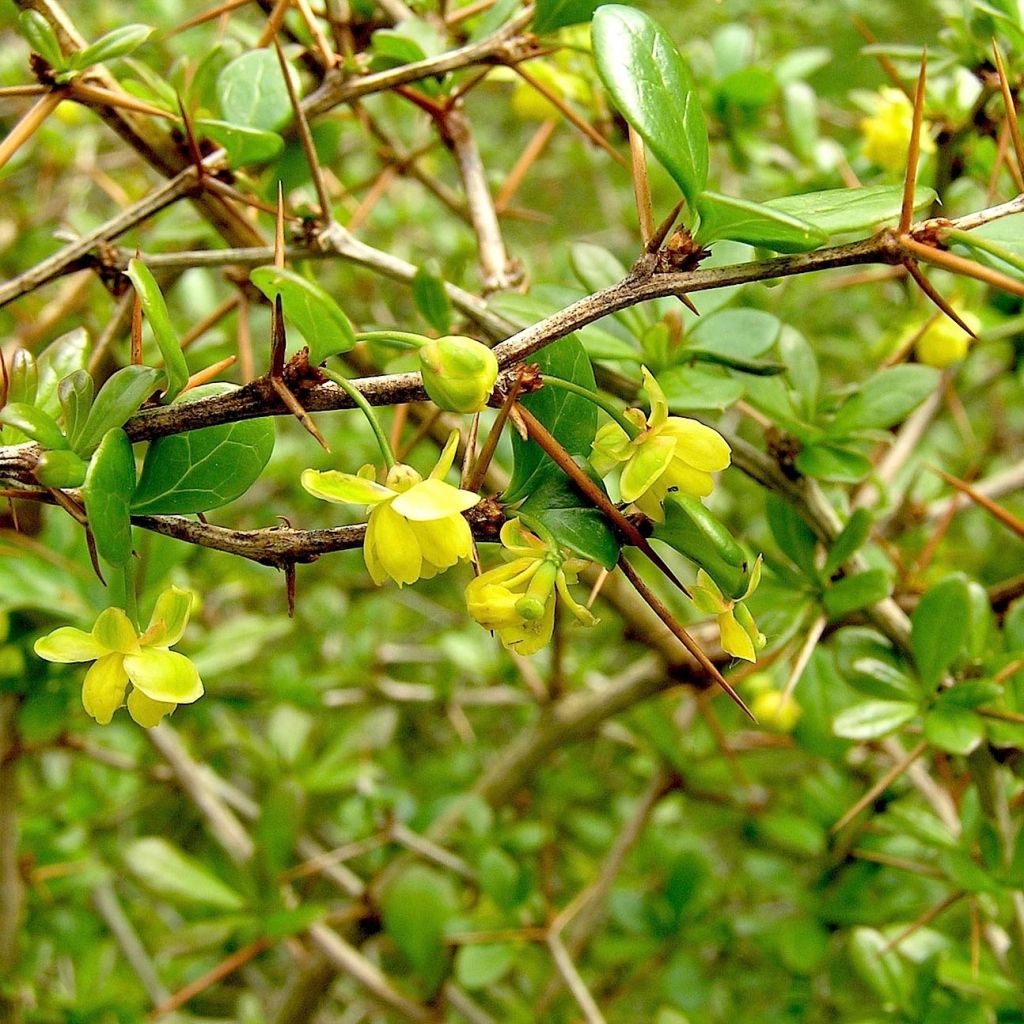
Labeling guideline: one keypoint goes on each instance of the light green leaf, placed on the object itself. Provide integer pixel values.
(61, 357)
(324, 326)
(203, 469)
(33, 423)
(117, 43)
(954, 730)
(852, 593)
(753, 223)
(939, 628)
(849, 541)
(428, 292)
(42, 39)
(108, 488)
(118, 400)
(176, 876)
(253, 93)
(243, 145)
(743, 333)
(839, 211)
(555, 14)
(885, 399)
(481, 965)
(873, 719)
(75, 393)
(834, 463)
(155, 308)
(689, 389)
(652, 87)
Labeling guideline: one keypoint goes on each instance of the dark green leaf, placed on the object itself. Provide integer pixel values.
(954, 730)
(118, 43)
(555, 14)
(33, 423)
(203, 469)
(873, 719)
(243, 145)
(651, 85)
(75, 393)
(119, 398)
(849, 541)
(324, 326)
(253, 93)
(431, 298)
(108, 488)
(415, 910)
(939, 628)
(155, 309)
(834, 463)
(885, 399)
(744, 221)
(796, 540)
(838, 211)
(852, 593)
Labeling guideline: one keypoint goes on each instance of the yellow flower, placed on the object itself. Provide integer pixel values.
(416, 528)
(740, 636)
(669, 453)
(887, 131)
(517, 600)
(161, 679)
(944, 343)
(775, 711)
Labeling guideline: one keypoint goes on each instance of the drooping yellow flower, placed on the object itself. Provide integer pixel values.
(415, 528)
(887, 131)
(669, 453)
(739, 632)
(161, 679)
(944, 343)
(517, 600)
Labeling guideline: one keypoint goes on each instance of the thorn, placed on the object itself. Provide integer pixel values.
(90, 543)
(688, 303)
(294, 406)
(289, 580)
(13, 509)
(136, 335)
(682, 635)
(210, 373)
(880, 786)
(914, 150)
(279, 228)
(1011, 111)
(641, 188)
(193, 145)
(5, 380)
(598, 586)
(527, 159)
(926, 286)
(661, 232)
(1007, 518)
(476, 478)
(278, 340)
(199, 19)
(958, 265)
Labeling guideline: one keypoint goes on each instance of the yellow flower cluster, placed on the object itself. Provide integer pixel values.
(160, 678)
(887, 131)
(517, 600)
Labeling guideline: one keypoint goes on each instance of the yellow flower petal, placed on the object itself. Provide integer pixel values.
(648, 463)
(114, 632)
(396, 546)
(104, 686)
(685, 478)
(444, 542)
(529, 637)
(735, 640)
(433, 499)
(659, 405)
(146, 711)
(67, 644)
(344, 488)
(172, 610)
(444, 463)
(164, 675)
(698, 444)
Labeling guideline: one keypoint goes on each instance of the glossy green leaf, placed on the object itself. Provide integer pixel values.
(839, 211)
(118, 400)
(107, 491)
(33, 423)
(22, 378)
(954, 730)
(66, 354)
(878, 678)
(873, 719)
(794, 537)
(243, 145)
(849, 541)
(253, 93)
(173, 875)
(431, 298)
(203, 469)
(415, 911)
(155, 309)
(939, 628)
(651, 85)
(117, 43)
(60, 469)
(556, 14)
(743, 333)
(753, 223)
(885, 399)
(324, 326)
(75, 393)
(41, 38)
(852, 593)
(478, 966)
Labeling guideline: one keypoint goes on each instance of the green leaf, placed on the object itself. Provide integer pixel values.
(743, 333)
(42, 39)
(885, 399)
(480, 965)
(61, 357)
(939, 628)
(118, 43)
(155, 308)
(839, 211)
(203, 469)
(75, 393)
(252, 92)
(574, 521)
(849, 541)
(502, 879)
(954, 730)
(873, 719)
(852, 593)
(243, 145)
(324, 326)
(834, 463)
(878, 678)
(176, 876)
(118, 400)
(965, 874)
(880, 967)
(431, 298)
(794, 537)
(415, 911)
(108, 488)
(744, 221)
(651, 85)
(571, 419)
(555, 14)
(688, 389)
(596, 269)
(33, 423)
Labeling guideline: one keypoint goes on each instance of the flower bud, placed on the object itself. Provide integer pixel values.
(944, 343)
(458, 373)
